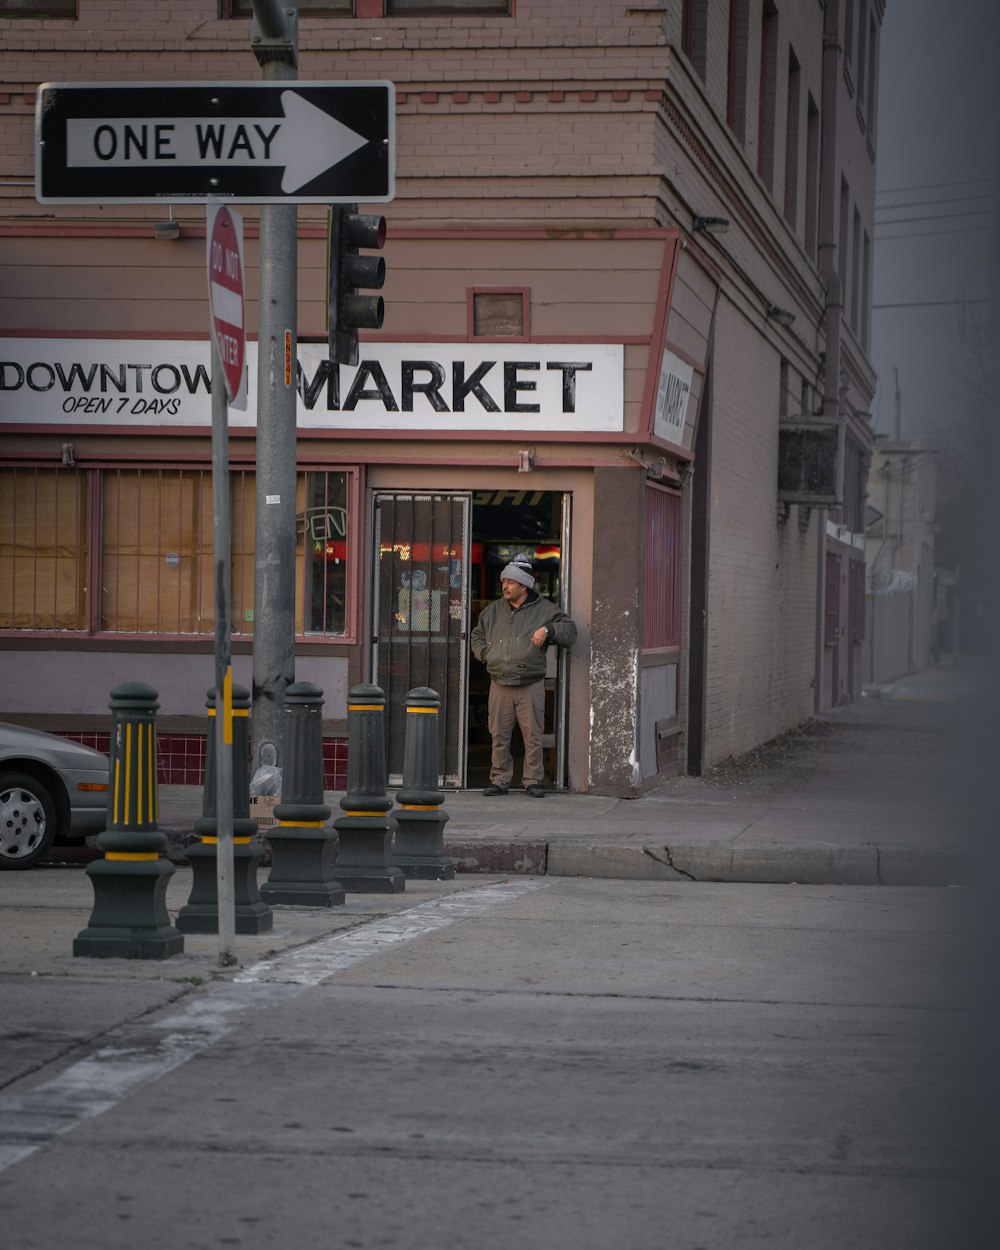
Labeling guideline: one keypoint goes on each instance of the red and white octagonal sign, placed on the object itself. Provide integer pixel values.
(225, 287)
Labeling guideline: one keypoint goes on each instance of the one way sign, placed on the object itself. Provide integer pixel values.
(253, 143)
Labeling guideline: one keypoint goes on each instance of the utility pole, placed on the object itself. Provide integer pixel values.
(274, 41)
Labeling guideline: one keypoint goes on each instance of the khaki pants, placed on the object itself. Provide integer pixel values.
(523, 706)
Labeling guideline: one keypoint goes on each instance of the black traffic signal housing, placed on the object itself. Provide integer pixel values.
(350, 311)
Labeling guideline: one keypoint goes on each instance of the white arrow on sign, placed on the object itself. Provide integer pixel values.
(306, 141)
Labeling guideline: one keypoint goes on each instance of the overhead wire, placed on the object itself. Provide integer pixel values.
(937, 186)
(932, 234)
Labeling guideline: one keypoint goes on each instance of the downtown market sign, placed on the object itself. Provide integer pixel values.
(524, 387)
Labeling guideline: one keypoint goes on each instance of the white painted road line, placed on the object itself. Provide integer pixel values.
(312, 964)
(86, 1089)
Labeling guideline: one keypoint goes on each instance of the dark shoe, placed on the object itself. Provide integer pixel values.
(536, 792)
(493, 791)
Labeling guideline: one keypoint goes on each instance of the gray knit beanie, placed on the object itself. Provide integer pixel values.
(519, 570)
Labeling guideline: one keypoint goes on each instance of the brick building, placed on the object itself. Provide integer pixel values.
(627, 329)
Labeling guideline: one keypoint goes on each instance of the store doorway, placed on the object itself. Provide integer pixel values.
(506, 523)
(420, 610)
(437, 562)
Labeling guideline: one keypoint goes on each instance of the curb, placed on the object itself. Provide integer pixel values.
(815, 864)
(779, 865)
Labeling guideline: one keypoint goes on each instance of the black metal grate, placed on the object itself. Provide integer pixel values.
(420, 617)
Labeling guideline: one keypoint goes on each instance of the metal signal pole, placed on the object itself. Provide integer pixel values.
(274, 41)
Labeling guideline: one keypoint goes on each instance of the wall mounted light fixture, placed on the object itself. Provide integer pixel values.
(710, 225)
(169, 229)
(782, 315)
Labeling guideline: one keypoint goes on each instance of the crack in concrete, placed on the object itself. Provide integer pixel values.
(668, 861)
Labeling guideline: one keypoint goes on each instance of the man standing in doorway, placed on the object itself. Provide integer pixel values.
(510, 638)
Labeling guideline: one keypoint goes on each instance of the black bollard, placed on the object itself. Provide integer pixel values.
(201, 914)
(130, 919)
(302, 847)
(364, 863)
(420, 822)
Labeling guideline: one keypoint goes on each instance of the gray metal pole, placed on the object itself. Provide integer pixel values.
(274, 579)
(221, 534)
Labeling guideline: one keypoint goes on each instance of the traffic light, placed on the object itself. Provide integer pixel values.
(350, 312)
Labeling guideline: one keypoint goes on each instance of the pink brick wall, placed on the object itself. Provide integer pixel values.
(181, 758)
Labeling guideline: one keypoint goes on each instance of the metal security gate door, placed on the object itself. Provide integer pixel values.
(420, 614)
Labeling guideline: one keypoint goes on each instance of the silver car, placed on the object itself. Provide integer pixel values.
(51, 790)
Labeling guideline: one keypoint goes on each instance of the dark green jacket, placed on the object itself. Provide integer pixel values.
(502, 638)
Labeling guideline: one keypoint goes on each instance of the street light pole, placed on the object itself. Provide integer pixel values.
(274, 40)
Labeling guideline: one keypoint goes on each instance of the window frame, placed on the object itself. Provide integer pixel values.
(767, 102)
(330, 8)
(737, 68)
(92, 629)
(662, 567)
(428, 8)
(14, 12)
(793, 109)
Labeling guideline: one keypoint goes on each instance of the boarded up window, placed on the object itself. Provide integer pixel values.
(498, 314)
(661, 585)
(156, 551)
(43, 549)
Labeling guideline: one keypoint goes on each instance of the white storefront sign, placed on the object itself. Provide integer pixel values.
(672, 395)
(397, 386)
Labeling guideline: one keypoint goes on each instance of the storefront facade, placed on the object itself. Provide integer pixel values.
(576, 362)
(422, 470)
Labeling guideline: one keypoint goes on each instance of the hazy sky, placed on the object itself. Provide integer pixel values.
(937, 167)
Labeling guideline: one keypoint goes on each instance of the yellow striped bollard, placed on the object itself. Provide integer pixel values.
(130, 919)
(419, 848)
(302, 844)
(364, 862)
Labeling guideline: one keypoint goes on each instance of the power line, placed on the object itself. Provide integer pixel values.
(933, 303)
(905, 221)
(936, 186)
(932, 234)
(950, 199)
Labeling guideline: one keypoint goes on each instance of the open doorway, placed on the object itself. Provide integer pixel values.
(506, 523)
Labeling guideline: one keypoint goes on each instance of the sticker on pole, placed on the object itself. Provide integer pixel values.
(225, 289)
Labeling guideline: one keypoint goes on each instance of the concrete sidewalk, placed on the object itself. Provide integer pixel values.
(859, 796)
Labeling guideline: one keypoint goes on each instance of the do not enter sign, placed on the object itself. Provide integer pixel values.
(225, 287)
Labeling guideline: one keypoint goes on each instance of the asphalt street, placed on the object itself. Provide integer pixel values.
(500, 1062)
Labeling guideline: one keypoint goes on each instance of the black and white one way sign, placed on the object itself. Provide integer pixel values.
(241, 142)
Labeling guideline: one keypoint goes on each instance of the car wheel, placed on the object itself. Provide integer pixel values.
(27, 820)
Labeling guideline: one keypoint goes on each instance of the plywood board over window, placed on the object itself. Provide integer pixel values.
(43, 549)
(499, 313)
(156, 552)
(154, 538)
